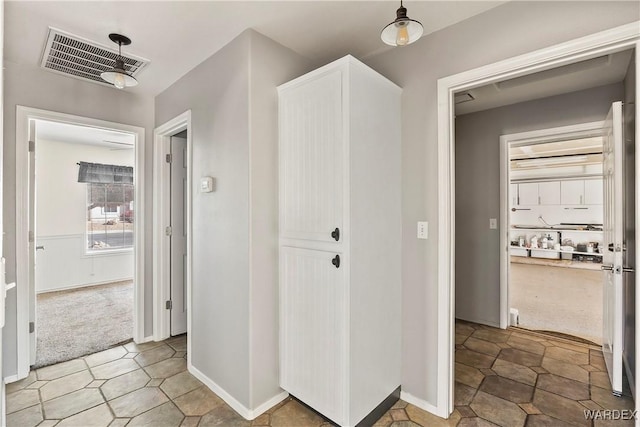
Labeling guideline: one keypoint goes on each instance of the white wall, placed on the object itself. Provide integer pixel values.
(233, 100)
(61, 218)
(33, 87)
(511, 29)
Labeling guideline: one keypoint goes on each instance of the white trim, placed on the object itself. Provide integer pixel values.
(636, 380)
(23, 116)
(609, 41)
(85, 285)
(422, 404)
(540, 136)
(161, 219)
(245, 412)
(10, 379)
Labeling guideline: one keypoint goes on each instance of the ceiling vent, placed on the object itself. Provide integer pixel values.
(84, 59)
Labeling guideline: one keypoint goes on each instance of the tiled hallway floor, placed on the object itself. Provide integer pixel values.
(509, 378)
(513, 378)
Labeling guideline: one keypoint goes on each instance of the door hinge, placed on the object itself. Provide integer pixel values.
(32, 327)
(168, 158)
(168, 305)
(31, 236)
(168, 231)
(32, 146)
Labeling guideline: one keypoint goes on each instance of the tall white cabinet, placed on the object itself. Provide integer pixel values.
(340, 237)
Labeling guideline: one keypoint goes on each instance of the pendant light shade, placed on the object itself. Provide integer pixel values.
(403, 30)
(118, 76)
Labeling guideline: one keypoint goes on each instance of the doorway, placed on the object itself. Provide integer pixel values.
(555, 230)
(26, 128)
(565, 54)
(172, 229)
(84, 227)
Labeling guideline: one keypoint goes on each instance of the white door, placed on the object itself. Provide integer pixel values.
(513, 193)
(311, 160)
(313, 301)
(32, 242)
(178, 246)
(613, 314)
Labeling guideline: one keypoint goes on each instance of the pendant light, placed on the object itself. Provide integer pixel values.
(118, 76)
(403, 30)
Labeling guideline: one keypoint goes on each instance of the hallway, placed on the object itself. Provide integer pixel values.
(508, 378)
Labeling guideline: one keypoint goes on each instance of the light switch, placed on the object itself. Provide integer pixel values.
(423, 229)
(206, 184)
(493, 223)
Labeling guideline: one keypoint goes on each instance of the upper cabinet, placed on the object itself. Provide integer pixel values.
(572, 192)
(593, 192)
(312, 159)
(569, 192)
(549, 193)
(582, 192)
(539, 193)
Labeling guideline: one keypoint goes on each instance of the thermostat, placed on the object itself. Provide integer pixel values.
(206, 184)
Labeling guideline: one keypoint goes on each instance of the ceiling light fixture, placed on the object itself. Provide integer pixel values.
(403, 30)
(118, 76)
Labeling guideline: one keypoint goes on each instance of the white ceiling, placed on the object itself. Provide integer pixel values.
(177, 35)
(73, 134)
(571, 78)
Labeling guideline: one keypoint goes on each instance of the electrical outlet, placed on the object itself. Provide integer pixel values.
(423, 229)
(493, 223)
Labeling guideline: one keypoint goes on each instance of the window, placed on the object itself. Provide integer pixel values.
(109, 206)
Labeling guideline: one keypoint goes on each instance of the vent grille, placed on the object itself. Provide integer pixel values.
(74, 56)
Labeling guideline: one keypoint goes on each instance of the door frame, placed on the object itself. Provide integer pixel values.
(598, 44)
(541, 136)
(161, 219)
(24, 115)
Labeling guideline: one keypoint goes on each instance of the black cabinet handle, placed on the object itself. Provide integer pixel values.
(336, 261)
(336, 234)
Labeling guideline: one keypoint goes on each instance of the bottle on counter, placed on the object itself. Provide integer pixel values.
(545, 242)
(534, 242)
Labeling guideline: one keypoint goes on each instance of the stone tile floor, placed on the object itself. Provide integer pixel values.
(508, 378)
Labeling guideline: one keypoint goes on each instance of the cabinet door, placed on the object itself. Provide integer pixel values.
(593, 192)
(572, 192)
(513, 194)
(313, 329)
(528, 193)
(549, 193)
(312, 159)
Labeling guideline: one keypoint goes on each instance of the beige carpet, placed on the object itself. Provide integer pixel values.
(82, 321)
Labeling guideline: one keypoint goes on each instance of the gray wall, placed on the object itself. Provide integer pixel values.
(233, 99)
(477, 165)
(629, 134)
(511, 29)
(33, 87)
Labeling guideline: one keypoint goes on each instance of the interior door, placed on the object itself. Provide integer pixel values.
(613, 314)
(178, 246)
(32, 243)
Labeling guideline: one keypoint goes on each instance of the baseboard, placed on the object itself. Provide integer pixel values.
(246, 413)
(480, 322)
(82, 285)
(422, 404)
(630, 377)
(10, 379)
